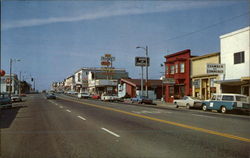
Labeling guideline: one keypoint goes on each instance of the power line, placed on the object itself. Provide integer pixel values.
(209, 26)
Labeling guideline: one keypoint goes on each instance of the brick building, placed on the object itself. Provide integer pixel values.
(177, 73)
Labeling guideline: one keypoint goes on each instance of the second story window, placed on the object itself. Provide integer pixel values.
(176, 68)
(78, 78)
(167, 69)
(172, 69)
(182, 67)
(239, 57)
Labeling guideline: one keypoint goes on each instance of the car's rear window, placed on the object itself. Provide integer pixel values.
(241, 98)
(228, 98)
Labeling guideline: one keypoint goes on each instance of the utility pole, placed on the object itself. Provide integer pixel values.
(20, 75)
(10, 79)
(147, 71)
(141, 81)
(147, 63)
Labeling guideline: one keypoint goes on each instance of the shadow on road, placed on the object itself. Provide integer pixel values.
(8, 115)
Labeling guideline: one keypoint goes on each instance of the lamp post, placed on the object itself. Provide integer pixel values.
(146, 50)
(10, 84)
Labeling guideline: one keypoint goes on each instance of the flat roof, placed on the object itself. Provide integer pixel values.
(205, 56)
(235, 32)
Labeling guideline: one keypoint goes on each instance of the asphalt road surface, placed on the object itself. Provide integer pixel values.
(72, 128)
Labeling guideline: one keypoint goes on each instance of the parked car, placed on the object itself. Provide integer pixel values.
(16, 98)
(83, 95)
(109, 97)
(225, 102)
(5, 101)
(95, 96)
(188, 102)
(142, 100)
(51, 96)
(23, 95)
(71, 92)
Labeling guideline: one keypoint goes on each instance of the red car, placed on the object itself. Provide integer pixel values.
(95, 96)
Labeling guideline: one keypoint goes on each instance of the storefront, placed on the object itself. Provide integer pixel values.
(177, 75)
(203, 77)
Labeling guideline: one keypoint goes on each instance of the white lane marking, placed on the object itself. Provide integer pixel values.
(110, 132)
(61, 106)
(81, 118)
(203, 116)
(68, 110)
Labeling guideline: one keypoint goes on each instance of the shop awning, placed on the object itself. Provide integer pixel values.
(233, 82)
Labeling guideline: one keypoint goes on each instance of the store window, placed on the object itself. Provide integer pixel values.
(182, 67)
(172, 69)
(176, 68)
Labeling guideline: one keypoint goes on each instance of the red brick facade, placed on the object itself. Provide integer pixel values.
(177, 68)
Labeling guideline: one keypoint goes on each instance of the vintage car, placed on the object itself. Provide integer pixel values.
(83, 95)
(225, 102)
(51, 96)
(188, 102)
(141, 100)
(16, 98)
(109, 97)
(5, 101)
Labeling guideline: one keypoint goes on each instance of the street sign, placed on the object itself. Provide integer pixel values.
(216, 68)
(105, 63)
(168, 81)
(104, 58)
(142, 61)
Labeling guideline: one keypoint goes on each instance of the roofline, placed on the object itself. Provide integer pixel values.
(235, 32)
(205, 56)
(178, 53)
(96, 68)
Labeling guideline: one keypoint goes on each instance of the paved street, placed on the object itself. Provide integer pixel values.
(72, 128)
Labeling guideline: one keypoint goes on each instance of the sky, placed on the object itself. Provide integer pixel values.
(55, 38)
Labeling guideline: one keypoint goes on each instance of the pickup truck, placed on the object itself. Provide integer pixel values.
(225, 102)
(5, 101)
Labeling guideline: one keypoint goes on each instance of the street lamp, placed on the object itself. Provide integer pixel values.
(146, 49)
(10, 84)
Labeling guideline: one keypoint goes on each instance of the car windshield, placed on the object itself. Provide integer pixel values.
(121, 78)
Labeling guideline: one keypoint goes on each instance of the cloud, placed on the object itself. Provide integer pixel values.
(116, 9)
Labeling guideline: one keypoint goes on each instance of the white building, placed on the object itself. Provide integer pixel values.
(5, 84)
(235, 55)
(69, 83)
(97, 80)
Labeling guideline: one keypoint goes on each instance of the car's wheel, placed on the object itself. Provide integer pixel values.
(176, 105)
(223, 109)
(204, 107)
(188, 106)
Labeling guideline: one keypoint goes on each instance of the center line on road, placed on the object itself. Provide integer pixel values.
(226, 135)
(110, 132)
(68, 110)
(81, 118)
(203, 115)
